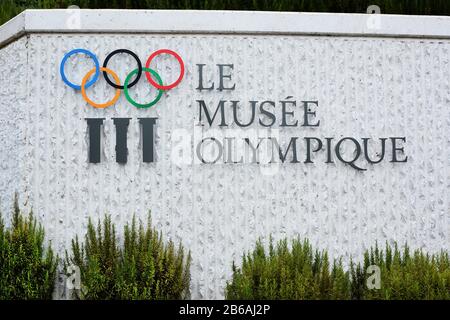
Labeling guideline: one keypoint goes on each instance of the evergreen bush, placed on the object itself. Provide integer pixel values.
(302, 273)
(27, 267)
(294, 273)
(404, 275)
(144, 267)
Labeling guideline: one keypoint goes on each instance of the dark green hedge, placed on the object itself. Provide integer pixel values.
(9, 8)
(296, 273)
(299, 272)
(144, 267)
(141, 266)
(405, 275)
(27, 267)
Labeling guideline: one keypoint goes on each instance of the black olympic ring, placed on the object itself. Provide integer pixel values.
(131, 53)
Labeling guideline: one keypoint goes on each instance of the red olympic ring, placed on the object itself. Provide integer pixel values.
(153, 82)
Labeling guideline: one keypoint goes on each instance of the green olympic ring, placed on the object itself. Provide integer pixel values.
(127, 95)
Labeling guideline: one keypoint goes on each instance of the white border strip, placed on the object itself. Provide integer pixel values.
(224, 22)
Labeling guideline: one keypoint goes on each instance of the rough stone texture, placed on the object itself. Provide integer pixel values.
(13, 94)
(366, 87)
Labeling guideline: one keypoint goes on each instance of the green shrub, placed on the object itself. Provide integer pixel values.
(9, 8)
(404, 275)
(298, 272)
(27, 268)
(142, 268)
(301, 273)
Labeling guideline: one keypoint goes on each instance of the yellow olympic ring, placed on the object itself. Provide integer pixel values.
(92, 103)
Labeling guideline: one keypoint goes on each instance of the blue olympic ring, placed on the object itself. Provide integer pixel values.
(97, 68)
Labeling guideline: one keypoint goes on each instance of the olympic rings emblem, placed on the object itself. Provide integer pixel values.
(93, 75)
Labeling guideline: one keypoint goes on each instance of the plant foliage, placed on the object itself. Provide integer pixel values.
(144, 267)
(300, 272)
(27, 268)
(296, 273)
(404, 275)
(9, 8)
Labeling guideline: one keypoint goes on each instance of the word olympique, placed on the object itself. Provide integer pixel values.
(223, 124)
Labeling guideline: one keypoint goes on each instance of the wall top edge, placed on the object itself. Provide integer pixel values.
(223, 22)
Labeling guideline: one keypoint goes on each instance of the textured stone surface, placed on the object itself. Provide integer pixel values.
(366, 87)
(13, 94)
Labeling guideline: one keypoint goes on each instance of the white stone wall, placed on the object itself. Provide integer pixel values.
(13, 98)
(366, 87)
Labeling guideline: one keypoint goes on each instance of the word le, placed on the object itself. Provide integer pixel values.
(121, 125)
